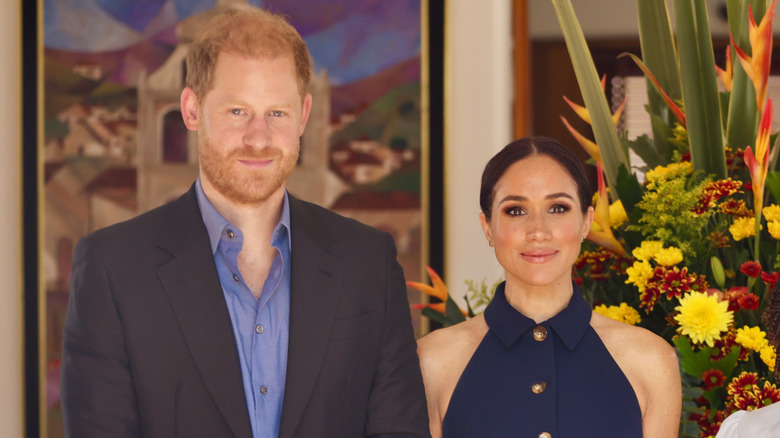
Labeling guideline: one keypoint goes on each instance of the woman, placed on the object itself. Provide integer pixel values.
(538, 362)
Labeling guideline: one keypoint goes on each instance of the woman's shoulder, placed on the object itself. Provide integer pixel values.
(625, 339)
(444, 344)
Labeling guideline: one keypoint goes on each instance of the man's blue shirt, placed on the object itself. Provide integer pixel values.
(260, 326)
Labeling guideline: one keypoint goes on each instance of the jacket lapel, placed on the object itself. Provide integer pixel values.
(315, 284)
(190, 279)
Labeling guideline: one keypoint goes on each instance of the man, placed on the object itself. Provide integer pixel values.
(238, 310)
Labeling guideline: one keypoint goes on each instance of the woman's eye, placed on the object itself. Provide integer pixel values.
(514, 211)
(559, 208)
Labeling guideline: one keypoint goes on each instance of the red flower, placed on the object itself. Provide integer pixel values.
(579, 280)
(748, 301)
(733, 295)
(743, 383)
(735, 207)
(751, 269)
(712, 379)
(718, 240)
(675, 281)
(770, 278)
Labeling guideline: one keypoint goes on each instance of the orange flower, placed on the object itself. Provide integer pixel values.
(678, 113)
(438, 290)
(726, 75)
(601, 231)
(757, 65)
(590, 147)
(758, 164)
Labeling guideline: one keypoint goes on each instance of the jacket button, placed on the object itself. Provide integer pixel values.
(545, 435)
(538, 388)
(540, 333)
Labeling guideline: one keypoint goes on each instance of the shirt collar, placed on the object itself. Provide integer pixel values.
(509, 325)
(216, 223)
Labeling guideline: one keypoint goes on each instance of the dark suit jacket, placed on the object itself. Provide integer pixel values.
(149, 349)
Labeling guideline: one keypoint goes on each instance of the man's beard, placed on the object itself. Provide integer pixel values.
(241, 184)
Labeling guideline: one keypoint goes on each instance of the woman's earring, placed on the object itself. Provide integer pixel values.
(490, 243)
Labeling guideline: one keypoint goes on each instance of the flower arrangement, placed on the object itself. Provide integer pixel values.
(691, 252)
(693, 249)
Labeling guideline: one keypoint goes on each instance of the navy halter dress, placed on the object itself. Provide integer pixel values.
(550, 380)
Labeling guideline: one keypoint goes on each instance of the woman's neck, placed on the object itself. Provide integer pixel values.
(539, 303)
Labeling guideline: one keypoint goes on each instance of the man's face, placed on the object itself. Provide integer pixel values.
(249, 125)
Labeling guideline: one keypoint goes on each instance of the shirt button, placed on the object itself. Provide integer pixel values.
(540, 334)
(545, 435)
(264, 390)
(538, 388)
(230, 234)
(235, 277)
(259, 329)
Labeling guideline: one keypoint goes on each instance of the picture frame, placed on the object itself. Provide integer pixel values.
(104, 141)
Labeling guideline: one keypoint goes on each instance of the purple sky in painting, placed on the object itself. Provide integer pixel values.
(351, 39)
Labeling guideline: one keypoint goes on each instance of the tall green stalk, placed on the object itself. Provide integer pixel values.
(613, 154)
(700, 88)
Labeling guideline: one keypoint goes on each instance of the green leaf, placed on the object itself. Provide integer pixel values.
(647, 150)
(436, 316)
(773, 185)
(453, 312)
(699, 86)
(610, 146)
(660, 55)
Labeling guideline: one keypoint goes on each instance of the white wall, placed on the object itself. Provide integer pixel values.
(11, 365)
(478, 95)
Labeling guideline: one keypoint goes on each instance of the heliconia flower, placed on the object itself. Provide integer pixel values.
(438, 290)
(726, 75)
(757, 64)
(590, 147)
(758, 164)
(678, 113)
(601, 232)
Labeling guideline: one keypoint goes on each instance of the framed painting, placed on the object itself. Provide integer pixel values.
(111, 144)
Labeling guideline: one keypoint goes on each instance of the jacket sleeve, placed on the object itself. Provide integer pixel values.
(98, 398)
(397, 406)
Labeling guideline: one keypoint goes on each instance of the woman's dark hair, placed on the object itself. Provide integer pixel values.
(525, 147)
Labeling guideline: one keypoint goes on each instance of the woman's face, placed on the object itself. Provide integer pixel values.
(537, 225)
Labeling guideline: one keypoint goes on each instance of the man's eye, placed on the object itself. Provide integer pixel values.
(277, 113)
(236, 111)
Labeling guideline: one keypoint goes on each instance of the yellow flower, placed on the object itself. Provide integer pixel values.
(639, 274)
(772, 212)
(702, 317)
(751, 338)
(671, 171)
(774, 229)
(647, 250)
(669, 256)
(623, 313)
(769, 355)
(617, 214)
(743, 227)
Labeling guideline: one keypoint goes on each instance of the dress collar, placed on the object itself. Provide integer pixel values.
(509, 325)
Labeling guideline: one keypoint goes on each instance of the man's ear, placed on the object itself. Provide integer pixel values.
(189, 109)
